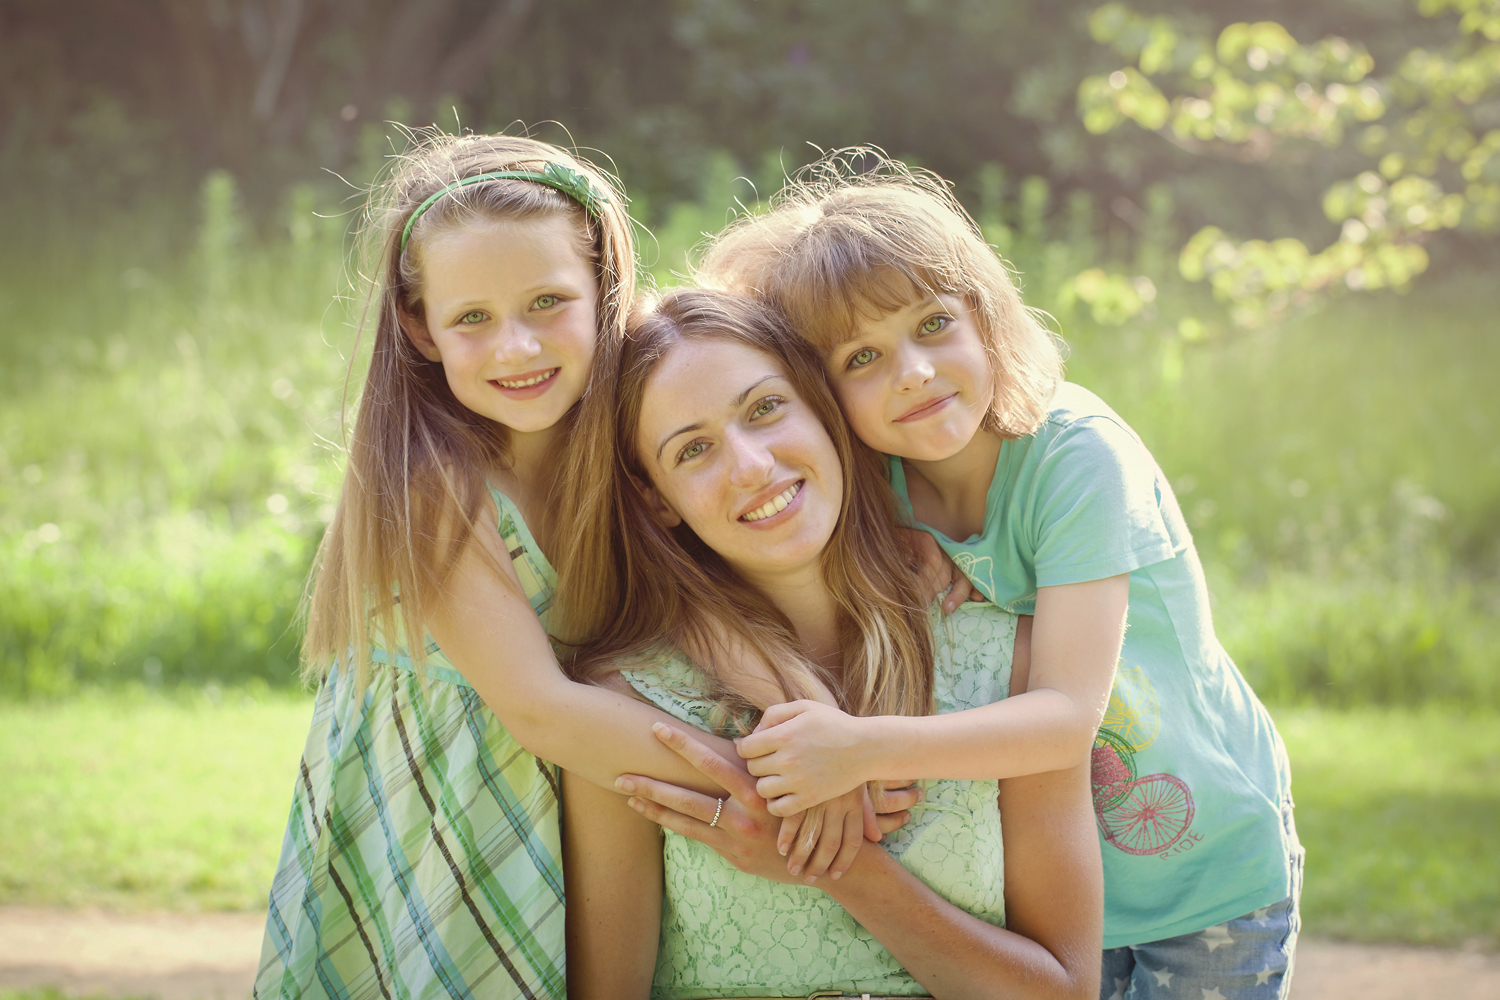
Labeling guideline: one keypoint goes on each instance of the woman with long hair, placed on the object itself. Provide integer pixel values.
(745, 509)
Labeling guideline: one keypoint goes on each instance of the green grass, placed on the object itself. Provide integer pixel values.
(164, 468)
(1341, 476)
(1399, 812)
(139, 801)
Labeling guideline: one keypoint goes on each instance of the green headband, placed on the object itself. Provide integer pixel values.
(555, 175)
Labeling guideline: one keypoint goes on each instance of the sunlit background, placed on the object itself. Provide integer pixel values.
(1271, 246)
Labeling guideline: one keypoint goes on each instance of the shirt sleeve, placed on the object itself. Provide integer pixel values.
(1096, 506)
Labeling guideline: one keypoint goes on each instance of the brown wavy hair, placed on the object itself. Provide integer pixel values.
(654, 587)
(417, 457)
(858, 234)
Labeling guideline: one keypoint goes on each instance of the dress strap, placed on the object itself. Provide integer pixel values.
(537, 576)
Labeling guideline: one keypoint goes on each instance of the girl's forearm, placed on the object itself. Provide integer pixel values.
(488, 630)
(1068, 656)
(597, 733)
(1041, 730)
(954, 954)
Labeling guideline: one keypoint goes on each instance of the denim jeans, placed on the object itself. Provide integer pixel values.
(1247, 958)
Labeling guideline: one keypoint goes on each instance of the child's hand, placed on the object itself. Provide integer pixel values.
(822, 832)
(937, 574)
(823, 840)
(806, 753)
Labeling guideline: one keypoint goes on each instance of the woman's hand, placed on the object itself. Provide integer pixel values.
(806, 753)
(937, 575)
(746, 833)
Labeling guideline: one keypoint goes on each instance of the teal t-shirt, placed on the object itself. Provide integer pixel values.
(1190, 776)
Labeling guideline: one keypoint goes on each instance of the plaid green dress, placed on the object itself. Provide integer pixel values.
(423, 855)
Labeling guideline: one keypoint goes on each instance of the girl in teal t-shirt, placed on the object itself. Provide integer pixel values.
(1053, 507)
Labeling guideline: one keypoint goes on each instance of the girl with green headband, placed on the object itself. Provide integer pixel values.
(423, 851)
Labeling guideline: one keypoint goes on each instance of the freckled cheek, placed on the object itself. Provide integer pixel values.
(460, 355)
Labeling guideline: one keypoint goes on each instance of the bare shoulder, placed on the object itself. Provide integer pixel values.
(476, 551)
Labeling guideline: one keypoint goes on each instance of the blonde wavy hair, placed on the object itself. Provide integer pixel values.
(859, 235)
(417, 457)
(654, 588)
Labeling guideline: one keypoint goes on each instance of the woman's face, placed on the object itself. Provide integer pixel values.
(738, 456)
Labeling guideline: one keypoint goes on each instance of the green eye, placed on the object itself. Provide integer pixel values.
(477, 316)
(933, 324)
(544, 302)
(765, 406)
(861, 358)
(691, 451)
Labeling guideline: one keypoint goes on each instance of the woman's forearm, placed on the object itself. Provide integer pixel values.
(954, 954)
(1054, 903)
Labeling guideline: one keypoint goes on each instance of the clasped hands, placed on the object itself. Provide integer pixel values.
(812, 761)
(806, 753)
(748, 834)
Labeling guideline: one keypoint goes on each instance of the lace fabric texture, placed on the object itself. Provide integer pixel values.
(728, 934)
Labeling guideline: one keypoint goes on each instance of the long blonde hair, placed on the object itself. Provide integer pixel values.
(858, 234)
(655, 587)
(417, 457)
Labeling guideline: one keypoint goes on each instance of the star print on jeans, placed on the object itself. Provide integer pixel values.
(1216, 936)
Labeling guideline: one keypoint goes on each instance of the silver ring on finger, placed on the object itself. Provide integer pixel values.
(717, 810)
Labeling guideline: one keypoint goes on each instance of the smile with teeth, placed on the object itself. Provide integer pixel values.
(523, 383)
(775, 505)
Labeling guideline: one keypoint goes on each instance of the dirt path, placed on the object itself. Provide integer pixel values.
(179, 956)
(175, 956)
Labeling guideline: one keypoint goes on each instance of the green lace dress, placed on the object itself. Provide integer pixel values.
(423, 854)
(728, 934)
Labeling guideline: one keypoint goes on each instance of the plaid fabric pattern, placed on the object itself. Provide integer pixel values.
(423, 854)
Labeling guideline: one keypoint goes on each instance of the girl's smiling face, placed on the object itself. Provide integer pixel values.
(510, 311)
(736, 454)
(915, 382)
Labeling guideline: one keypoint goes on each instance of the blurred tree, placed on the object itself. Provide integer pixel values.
(105, 101)
(261, 87)
(1425, 131)
(270, 89)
